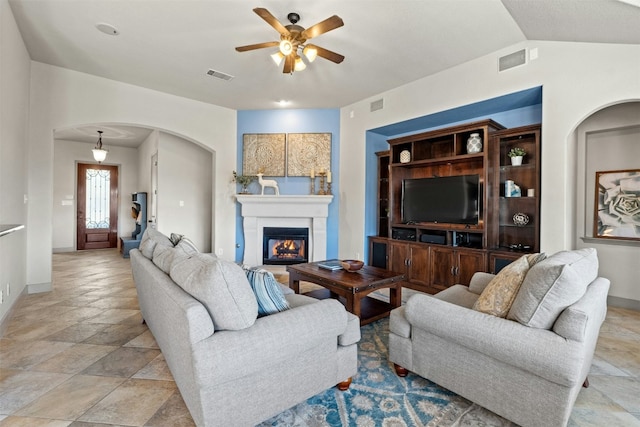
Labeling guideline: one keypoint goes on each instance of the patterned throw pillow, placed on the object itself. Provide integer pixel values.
(267, 290)
(175, 238)
(498, 296)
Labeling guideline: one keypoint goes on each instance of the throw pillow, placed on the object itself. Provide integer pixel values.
(553, 285)
(150, 239)
(175, 238)
(267, 291)
(163, 257)
(498, 296)
(221, 286)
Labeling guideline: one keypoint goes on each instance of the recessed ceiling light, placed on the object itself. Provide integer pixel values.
(107, 29)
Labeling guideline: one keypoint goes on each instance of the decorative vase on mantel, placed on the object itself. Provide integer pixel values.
(474, 144)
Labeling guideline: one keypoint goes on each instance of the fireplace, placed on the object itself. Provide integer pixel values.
(289, 210)
(285, 245)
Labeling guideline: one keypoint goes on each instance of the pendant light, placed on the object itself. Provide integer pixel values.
(99, 154)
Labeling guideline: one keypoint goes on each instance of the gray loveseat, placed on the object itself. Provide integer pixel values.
(232, 368)
(528, 367)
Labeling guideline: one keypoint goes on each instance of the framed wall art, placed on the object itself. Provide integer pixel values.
(617, 205)
(306, 151)
(263, 152)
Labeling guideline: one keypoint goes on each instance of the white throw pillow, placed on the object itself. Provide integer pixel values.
(552, 285)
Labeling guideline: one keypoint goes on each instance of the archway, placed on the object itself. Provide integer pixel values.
(607, 140)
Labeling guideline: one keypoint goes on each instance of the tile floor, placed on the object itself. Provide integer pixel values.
(79, 356)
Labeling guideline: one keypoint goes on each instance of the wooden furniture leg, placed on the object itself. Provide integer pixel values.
(344, 385)
(400, 371)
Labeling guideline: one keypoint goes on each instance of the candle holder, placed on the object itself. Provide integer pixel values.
(321, 191)
(329, 189)
(313, 186)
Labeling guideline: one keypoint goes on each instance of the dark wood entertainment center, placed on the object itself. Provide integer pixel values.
(434, 256)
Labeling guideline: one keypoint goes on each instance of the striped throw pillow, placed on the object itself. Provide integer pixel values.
(267, 291)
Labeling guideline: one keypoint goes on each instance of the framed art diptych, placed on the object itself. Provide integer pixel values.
(306, 151)
(263, 152)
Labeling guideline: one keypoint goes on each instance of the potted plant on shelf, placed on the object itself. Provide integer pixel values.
(516, 154)
(244, 181)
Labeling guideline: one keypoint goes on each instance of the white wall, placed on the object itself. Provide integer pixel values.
(608, 140)
(66, 155)
(14, 119)
(61, 98)
(577, 78)
(184, 190)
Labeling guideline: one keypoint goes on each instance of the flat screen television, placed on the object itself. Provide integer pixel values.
(450, 199)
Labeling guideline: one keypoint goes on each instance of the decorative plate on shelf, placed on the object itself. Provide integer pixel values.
(520, 219)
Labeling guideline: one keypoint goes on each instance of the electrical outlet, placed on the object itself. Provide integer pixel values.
(1, 296)
(219, 252)
(8, 289)
(357, 255)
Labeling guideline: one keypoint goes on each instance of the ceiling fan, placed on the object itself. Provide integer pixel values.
(293, 38)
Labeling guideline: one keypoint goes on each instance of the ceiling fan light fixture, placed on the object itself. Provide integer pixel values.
(277, 57)
(299, 64)
(286, 47)
(99, 154)
(310, 52)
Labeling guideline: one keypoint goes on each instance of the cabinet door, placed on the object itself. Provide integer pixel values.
(378, 255)
(398, 256)
(419, 265)
(441, 268)
(468, 262)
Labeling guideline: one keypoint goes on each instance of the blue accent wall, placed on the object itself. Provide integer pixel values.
(294, 121)
(512, 110)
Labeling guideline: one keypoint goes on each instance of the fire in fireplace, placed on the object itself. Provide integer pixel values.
(285, 245)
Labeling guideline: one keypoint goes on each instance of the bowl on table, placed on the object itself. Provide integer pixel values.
(351, 265)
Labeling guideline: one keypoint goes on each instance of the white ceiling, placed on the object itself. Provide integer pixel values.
(168, 45)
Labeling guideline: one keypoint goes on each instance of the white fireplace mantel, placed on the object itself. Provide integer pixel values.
(283, 211)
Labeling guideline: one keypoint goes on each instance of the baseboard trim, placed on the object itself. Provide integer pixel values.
(63, 250)
(630, 304)
(39, 288)
(4, 322)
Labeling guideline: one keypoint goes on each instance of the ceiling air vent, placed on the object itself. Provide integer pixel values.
(512, 60)
(377, 105)
(219, 75)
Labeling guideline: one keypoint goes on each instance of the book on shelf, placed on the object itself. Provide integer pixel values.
(330, 264)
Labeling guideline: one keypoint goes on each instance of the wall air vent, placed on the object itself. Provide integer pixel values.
(512, 60)
(377, 105)
(219, 75)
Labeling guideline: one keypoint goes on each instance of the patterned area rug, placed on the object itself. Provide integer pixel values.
(379, 398)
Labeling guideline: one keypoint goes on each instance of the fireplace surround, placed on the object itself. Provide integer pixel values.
(298, 211)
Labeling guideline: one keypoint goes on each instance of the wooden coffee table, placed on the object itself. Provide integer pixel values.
(351, 288)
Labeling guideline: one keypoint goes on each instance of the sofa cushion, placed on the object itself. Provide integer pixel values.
(221, 286)
(163, 257)
(150, 239)
(553, 285)
(267, 291)
(498, 296)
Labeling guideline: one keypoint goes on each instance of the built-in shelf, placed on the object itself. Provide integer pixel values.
(9, 228)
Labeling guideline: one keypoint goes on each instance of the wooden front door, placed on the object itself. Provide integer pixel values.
(97, 215)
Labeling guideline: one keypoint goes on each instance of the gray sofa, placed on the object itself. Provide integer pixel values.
(231, 367)
(528, 369)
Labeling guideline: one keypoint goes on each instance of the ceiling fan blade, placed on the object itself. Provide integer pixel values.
(327, 54)
(289, 62)
(256, 46)
(322, 27)
(271, 20)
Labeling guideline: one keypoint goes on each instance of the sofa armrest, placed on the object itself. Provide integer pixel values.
(538, 351)
(226, 355)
